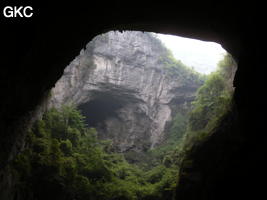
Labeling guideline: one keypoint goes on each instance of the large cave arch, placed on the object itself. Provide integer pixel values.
(103, 106)
(24, 84)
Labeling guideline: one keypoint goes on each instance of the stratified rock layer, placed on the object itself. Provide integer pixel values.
(127, 71)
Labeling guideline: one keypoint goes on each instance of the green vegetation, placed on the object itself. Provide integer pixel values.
(213, 101)
(65, 160)
(166, 151)
(178, 69)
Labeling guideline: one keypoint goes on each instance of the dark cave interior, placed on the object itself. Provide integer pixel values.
(37, 50)
(101, 108)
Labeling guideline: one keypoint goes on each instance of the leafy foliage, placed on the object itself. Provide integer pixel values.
(213, 101)
(178, 69)
(65, 160)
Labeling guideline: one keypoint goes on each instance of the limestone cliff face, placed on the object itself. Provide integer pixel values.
(122, 77)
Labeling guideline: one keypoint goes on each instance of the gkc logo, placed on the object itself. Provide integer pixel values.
(18, 11)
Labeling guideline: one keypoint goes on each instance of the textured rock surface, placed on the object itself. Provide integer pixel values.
(126, 69)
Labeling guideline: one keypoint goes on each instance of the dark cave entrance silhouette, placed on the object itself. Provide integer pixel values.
(137, 161)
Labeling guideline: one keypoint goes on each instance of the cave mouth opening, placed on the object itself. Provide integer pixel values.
(105, 105)
(110, 50)
(100, 108)
(136, 103)
(212, 65)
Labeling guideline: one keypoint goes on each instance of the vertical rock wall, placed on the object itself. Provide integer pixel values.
(127, 68)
